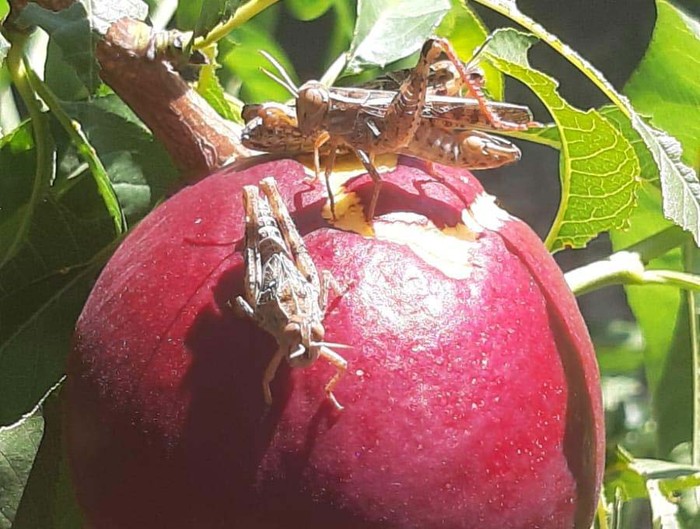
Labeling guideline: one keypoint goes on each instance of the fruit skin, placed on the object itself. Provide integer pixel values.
(470, 402)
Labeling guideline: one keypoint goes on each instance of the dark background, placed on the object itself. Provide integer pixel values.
(611, 34)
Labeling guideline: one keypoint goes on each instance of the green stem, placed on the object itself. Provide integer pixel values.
(87, 151)
(509, 9)
(626, 268)
(43, 141)
(243, 14)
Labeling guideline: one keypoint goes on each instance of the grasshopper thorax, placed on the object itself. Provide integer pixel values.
(313, 104)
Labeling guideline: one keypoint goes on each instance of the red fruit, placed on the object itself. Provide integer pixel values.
(471, 399)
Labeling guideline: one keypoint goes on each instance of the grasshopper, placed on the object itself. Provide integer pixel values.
(416, 119)
(283, 293)
(273, 127)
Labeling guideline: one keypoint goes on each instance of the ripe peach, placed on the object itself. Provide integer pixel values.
(471, 400)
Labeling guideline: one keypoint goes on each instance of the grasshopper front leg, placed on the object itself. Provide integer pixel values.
(270, 372)
(341, 366)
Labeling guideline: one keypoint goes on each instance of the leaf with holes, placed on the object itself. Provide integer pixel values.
(599, 168)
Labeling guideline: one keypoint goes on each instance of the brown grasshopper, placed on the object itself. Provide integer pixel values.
(282, 290)
(416, 120)
(272, 127)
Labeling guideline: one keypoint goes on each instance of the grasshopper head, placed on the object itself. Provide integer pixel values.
(313, 104)
(305, 341)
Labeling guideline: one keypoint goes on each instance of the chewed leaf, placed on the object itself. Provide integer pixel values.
(388, 30)
(599, 168)
(681, 188)
(210, 88)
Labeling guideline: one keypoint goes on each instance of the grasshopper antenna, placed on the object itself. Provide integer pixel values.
(332, 345)
(284, 79)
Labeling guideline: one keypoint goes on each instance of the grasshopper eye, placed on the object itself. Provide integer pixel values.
(313, 104)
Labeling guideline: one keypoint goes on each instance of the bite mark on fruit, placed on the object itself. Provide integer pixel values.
(485, 212)
(448, 250)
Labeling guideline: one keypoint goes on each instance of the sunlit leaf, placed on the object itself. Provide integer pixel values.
(209, 87)
(665, 85)
(4, 10)
(681, 197)
(664, 88)
(388, 30)
(599, 169)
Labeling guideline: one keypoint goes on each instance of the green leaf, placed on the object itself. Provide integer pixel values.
(16, 152)
(39, 308)
(388, 30)
(634, 471)
(599, 169)
(209, 87)
(187, 14)
(673, 394)
(664, 85)
(308, 9)
(466, 33)
(650, 303)
(664, 88)
(344, 16)
(241, 58)
(18, 447)
(139, 169)
(44, 283)
(83, 147)
(679, 182)
(70, 29)
(4, 10)
(667, 355)
(48, 499)
(212, 13)
(648, 169)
